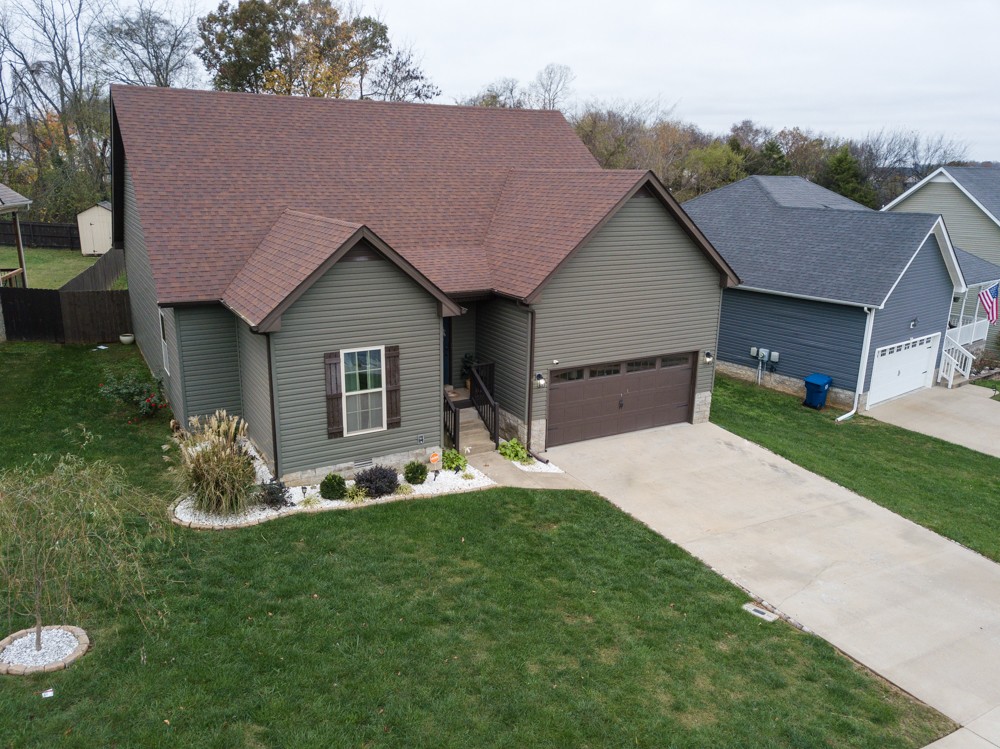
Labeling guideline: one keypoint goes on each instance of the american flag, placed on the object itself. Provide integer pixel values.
(988, 298)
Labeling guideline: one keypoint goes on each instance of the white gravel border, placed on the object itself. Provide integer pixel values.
(61, 645)
(307, 499)
(537, 466)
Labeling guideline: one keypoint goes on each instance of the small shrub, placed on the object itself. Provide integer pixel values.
(131, 390)
(404, 489)
(468, 475)
(453, 460)
(219, 472)
(378, 480)
(513, 450)
(356, 494)
(415, 472)
(333, 487)
(274, 494)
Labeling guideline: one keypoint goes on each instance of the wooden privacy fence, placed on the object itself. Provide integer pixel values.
(101, 275)
(37, 234)
(65, 316)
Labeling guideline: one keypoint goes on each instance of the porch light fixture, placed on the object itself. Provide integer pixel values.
(913, 323)
(539, 380)
(709, 357)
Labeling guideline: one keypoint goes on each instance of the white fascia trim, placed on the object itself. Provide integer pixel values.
(938, 172)
(948, 255)
(921, 183)
(810, 298)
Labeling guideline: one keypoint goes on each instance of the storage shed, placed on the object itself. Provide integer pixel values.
(95, 229)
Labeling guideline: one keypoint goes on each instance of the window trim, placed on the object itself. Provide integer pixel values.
(346, 393)
(164, 350)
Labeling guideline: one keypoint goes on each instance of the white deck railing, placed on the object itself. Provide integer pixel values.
(955, 360)
(967, 329)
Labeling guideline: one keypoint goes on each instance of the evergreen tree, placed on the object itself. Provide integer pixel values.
(843, 175)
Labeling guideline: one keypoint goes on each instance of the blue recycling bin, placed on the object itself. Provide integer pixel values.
(817, 386)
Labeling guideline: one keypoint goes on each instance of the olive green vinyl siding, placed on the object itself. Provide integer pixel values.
(210, 367)
(923, 294)
(255, 386)
(968, 226)
(503, 331)
(639, 287)
(463, 341)
(142, 298)
(355, 305)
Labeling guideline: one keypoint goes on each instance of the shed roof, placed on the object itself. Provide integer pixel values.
(11, 201)
(787, 235)
(214, 172)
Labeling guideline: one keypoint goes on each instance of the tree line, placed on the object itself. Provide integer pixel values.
(57, 58)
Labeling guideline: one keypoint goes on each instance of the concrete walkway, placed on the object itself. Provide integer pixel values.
(913, 606)
(965, 415)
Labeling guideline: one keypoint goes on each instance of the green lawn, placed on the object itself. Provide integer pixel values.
(47, 269)
(507, 618)
(947, 488)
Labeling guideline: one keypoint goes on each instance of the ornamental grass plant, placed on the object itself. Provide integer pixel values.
(217, 467)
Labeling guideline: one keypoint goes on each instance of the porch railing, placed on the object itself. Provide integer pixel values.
(486, 371)
(967, 329)
(486, 407)
(955, 359)
(452, 421)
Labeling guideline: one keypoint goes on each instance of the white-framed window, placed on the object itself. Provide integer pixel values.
(363, 386)
(163, 341)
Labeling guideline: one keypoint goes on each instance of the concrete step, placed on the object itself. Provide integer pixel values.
(473, 434)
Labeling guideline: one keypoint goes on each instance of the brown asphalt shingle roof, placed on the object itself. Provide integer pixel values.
(475, 199)
(297, 244)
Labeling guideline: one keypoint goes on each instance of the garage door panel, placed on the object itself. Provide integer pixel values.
(902, 368)
(617, 397)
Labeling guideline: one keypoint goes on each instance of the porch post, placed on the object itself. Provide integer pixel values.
(20, 250)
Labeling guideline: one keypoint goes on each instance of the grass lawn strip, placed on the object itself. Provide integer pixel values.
(47, 268)
(947, 488)
(501, 618)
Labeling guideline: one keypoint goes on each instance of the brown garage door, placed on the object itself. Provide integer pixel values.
(604, 399)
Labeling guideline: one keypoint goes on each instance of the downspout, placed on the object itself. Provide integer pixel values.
(274, 425)
(531, 369)
(863, 369)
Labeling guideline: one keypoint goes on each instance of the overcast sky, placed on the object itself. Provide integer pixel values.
(840, 66)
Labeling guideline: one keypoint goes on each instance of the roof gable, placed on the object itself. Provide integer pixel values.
(980, 184)
(840, 253)
(294, 254)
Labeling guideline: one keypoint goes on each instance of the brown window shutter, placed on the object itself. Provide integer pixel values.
(334, 397)
(393, 407)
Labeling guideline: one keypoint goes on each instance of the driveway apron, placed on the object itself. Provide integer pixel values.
(965, 415)
(920, 610)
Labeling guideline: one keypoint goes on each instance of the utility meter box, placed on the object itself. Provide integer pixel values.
(763, 354)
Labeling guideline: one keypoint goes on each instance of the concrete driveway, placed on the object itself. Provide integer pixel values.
(965, 415)
(915, 607)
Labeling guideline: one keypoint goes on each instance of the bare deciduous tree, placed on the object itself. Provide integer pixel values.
(551, 88)
(145, 46)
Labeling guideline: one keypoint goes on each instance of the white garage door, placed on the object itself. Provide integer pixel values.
(903, 367)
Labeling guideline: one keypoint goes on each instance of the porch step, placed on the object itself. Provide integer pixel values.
(473, 435)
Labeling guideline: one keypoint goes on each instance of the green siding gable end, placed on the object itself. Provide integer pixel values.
(355, 304)
(639, 287)
(209, 355)
(968, 227)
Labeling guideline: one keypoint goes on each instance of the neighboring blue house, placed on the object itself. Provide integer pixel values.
(833, 287)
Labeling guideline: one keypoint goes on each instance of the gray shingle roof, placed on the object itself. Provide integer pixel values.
(982, 182)
(789, 236)
(10, 200)
(975, 269)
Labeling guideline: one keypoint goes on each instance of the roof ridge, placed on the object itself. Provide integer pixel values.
(324, 219)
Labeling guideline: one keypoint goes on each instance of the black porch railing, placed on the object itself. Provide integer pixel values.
(482, 399)
(452, 421)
